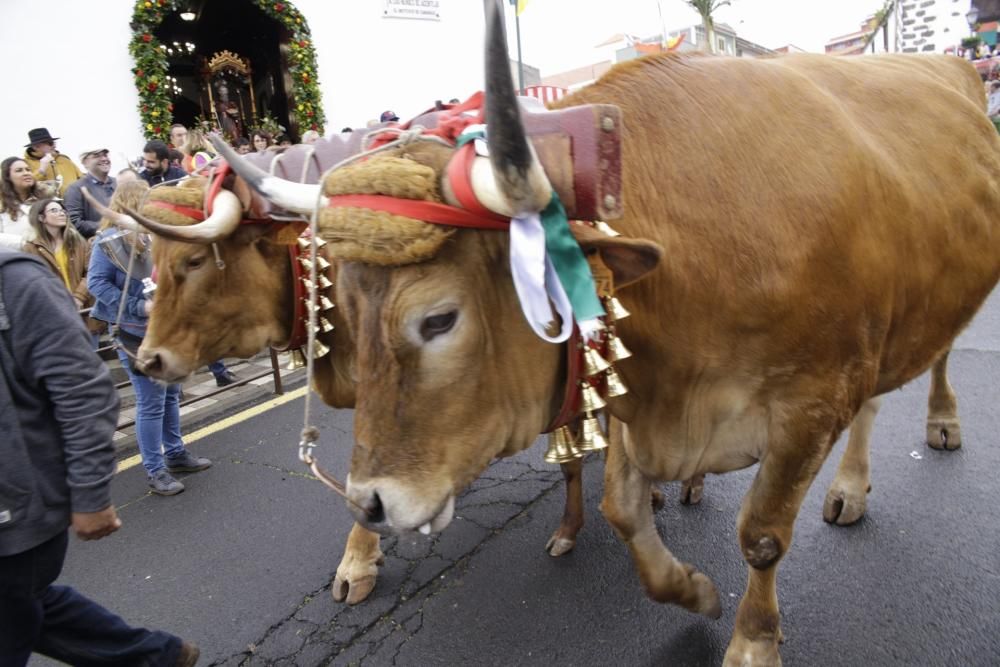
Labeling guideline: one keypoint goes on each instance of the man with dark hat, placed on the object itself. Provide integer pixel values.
(388, 117)
(99, 182)
(48, 164)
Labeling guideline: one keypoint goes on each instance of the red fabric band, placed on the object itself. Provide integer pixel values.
(439, 214)
(193, 213)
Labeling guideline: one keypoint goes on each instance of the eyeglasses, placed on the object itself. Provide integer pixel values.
(57, 209)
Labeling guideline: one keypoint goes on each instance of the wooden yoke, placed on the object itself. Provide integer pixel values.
(579, 147)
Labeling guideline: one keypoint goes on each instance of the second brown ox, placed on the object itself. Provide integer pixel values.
(810, 245)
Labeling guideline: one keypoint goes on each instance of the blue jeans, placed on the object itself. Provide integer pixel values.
(217, 368)
(59, 622)
(157, 419)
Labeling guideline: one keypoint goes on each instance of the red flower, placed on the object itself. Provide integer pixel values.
(314, 126)
(309, 113)
(305, 77)
(278, 7)
(139, 72)
(152, 86)
(304, 43)
(158, 130)
(170, 107)
(147, 38)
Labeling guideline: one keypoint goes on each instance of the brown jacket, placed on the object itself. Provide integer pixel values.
(78, 261)
(62, 169)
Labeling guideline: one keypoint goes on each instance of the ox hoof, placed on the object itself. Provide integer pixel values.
(354, 581)
(558, 545)
(844, 506)
(657, 499)
(706, 596)
(743, 652)
(944, 434)
(692, 490)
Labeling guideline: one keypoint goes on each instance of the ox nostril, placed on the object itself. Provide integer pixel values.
(375, 511)
(151, 364)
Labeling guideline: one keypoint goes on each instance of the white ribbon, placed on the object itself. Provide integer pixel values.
(538, 287)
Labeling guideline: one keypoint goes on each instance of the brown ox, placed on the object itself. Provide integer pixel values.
(827, 228)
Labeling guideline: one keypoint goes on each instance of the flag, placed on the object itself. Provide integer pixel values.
(520, 5)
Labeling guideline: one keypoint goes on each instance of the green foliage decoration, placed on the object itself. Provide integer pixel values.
(151, 66)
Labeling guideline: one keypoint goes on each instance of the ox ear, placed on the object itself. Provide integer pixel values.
(629, 259)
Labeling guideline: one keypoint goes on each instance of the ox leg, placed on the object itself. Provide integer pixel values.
(846, 497)
(564, 539)
(358, 569)
(765, 531)
(943, 428)
(627, 507)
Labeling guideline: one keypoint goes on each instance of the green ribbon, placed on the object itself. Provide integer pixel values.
(570, 263)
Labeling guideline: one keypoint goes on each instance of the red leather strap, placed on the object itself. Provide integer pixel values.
(187, 211)
(439, 214)
(460, 177)
(570, 409)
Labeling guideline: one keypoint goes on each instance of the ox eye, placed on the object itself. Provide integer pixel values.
(435, 325)
(195, 263)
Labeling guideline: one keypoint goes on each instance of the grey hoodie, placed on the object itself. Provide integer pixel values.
(58, 408)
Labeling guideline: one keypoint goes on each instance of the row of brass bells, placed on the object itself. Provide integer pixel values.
(296, 360)
(306, 246)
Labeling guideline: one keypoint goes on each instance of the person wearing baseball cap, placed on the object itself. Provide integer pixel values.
(388, 117)
(48, 164)
(99, 182)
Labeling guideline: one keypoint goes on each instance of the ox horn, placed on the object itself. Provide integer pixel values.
(288, 195)
(518, 184)
(226, 214)
(119, 219)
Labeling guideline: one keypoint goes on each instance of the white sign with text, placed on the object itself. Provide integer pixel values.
(427, 10)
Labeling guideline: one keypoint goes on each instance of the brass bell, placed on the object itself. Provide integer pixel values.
(307, 306)
(591, 436)
(320, 242)
(321, 263)
(616, 311)
(593, 362)
(616, 348)
(324, 325)
(325, 303)
(309, 284)
(590, 398)
(616, 386)
(319, 349)
(324, 282)
(296, 360)
(304, 243)
(604, 227)
(562, 448)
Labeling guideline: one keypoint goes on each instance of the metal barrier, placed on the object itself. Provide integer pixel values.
(275, 372)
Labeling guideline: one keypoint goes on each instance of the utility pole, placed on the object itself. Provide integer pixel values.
(520, 63)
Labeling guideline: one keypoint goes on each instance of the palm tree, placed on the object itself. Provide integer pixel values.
(881, 22)
(706, 8)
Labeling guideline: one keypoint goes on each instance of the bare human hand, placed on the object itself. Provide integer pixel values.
(95, 525)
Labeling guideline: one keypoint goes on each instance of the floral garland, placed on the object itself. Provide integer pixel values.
(151, 66)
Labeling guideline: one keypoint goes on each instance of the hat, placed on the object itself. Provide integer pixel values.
(388, 116)
(97, 151)
(38, 135)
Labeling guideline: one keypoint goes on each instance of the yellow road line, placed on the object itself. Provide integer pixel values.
(232, 420)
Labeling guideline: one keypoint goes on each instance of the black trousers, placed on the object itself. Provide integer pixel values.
(59, 622)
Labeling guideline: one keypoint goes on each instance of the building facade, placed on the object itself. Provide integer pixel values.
(931, 26)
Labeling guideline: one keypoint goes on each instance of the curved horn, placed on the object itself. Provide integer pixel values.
(119, 219)
(517, 173)
(288, 195)
(226, 214)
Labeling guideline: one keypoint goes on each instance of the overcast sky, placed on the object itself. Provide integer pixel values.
(557, 35)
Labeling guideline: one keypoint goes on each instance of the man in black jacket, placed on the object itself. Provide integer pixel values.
(58, 412)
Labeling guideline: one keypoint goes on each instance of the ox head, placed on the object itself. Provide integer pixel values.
(202, 313)
(448, 374)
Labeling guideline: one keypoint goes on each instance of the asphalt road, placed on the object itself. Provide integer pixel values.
(241, 562)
